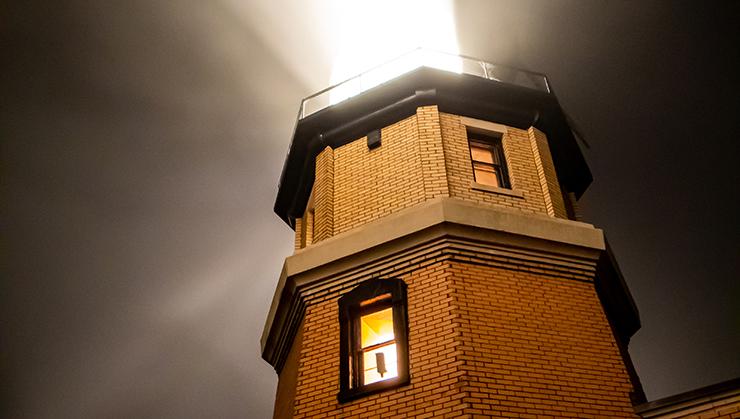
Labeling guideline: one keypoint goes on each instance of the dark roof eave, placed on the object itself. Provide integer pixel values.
(619, 306)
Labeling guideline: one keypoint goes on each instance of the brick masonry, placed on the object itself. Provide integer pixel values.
(509, 336)
(519, 158)
(422, 157)
(554, 202)
(324, 195)
(485, 339)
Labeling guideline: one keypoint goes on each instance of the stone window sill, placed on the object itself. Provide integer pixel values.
(495, 189)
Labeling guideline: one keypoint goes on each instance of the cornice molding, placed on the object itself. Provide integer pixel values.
(443, 229)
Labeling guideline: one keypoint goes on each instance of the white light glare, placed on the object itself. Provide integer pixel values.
(369, 33)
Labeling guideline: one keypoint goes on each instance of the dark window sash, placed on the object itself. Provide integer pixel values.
(350, 313)
(495, 147)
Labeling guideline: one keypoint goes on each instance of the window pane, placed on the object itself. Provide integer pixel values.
(371, 372)
(481, 154)
(377, 327)
(486, 176)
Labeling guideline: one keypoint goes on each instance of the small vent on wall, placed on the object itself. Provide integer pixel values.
(373, 139)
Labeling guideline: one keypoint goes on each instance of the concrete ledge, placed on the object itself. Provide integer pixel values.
(495, 189)
(480, 222)
(444, 210)
(483, 125)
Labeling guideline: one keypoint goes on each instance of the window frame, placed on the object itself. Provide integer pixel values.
(350, 313)
(493, 142)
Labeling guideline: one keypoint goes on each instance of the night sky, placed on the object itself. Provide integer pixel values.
(142, 143)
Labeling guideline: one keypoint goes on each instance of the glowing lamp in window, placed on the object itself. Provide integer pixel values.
(374, 347)
(378, 346)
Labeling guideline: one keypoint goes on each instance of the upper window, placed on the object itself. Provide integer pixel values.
(373, 331)
(487, 156)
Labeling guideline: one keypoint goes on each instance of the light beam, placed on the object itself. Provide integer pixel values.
(374, 37)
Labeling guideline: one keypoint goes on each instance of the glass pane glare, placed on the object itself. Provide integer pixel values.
(377, 327)
(371, 369)
(486, 176)
(481, 154)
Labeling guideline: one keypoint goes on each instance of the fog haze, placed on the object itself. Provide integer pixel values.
(142, 143)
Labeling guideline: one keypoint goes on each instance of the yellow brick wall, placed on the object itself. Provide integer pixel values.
(423, 157)
(519, 158)
(551, 192)
(304, 229)
(431, 152)
(483, 341)
(309, 222)
(370, 184)
(299, 233)
(535, 345)
(324, 196)
(435, 375)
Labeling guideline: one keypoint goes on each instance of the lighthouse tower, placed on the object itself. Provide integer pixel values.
(441, 266)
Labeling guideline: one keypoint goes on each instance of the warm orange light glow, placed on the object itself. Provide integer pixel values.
(377, 337)
(485, 175)
(375, 299)
(405, 25)
(377, 327)
(391, 364)
(482, 154)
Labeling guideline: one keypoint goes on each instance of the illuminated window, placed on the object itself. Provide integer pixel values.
(374, 350)
(489, 164)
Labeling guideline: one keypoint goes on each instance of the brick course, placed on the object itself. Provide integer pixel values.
(370, 184)
(554, 202)
(535, 345)
(491, 333)
(483, 341)
(519, 159)
(324, 195)
(423, 157)
(432, 382)
(431, 152)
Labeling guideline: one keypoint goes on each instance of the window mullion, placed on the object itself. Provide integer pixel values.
(378, 345)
